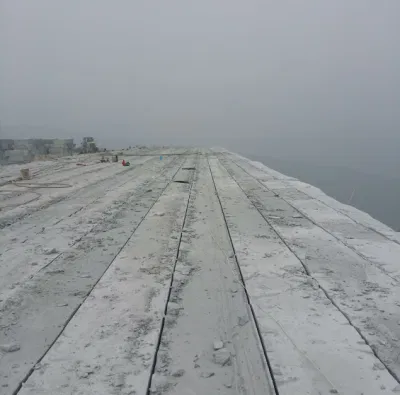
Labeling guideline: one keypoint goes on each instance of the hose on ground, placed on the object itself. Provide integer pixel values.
(37, 185)
(11, 192)
(31, 185)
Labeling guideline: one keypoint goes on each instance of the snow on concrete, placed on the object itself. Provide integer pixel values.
(368, 296)
(87, 273)
(72, 204)
(108, 346)
(311, 345)
(356, 216)
(80, 180)
(209, 343)
(372, 299)
(35, 311)
(40, 247)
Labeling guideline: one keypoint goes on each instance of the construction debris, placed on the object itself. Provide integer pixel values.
(25, 175)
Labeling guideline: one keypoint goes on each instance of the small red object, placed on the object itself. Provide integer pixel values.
(123, 162)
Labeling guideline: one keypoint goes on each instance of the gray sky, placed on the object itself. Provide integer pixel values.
(307, 79)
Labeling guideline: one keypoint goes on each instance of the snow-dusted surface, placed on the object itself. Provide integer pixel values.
(198, 272)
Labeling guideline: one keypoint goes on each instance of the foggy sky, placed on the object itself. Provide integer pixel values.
(308, 79)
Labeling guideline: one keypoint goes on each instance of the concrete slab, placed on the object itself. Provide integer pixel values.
(130, 283)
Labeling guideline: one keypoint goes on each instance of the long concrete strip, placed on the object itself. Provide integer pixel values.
(359, 217)
(108, 346)
(209, 342)
(367, 237)
(73, 203)
(19, 262)
(357, 287)
(79, 184)
(311, 345)
(34, 316)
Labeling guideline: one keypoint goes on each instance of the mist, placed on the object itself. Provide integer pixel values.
(298, 80)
